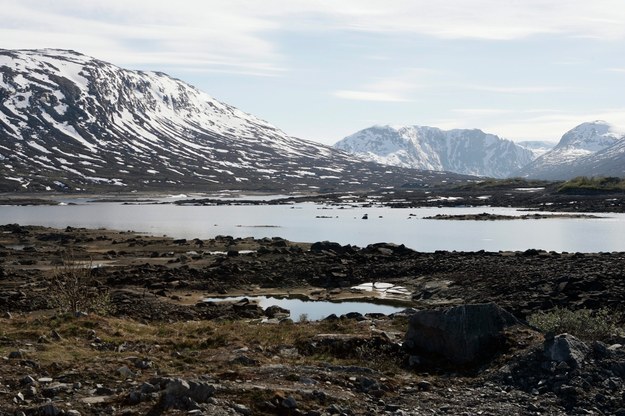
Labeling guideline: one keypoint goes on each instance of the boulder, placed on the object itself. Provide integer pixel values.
(566, 348)
(322, 246)
(199, 391)
(388, 249)
(275, 311)
(465, 334)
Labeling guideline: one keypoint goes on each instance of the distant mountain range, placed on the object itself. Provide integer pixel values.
(470, 152)
(69, 122)
(72, 122)
(590, 149)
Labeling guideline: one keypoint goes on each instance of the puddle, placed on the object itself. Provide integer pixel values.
(224, 253)
(313, 310)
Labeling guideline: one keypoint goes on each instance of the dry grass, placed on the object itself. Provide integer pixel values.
(188, 343)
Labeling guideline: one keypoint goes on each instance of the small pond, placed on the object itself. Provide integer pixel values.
(313, 310)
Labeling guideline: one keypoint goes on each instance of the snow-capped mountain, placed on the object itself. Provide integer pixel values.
(470, 152)
(591, 149)
(69, 121)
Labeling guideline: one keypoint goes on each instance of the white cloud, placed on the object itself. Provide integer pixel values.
(480, 19)
(480, 112)
(536, 89)
(241, 35)
(398, 88)
(369, 96)
(188, 34)
(551, 126)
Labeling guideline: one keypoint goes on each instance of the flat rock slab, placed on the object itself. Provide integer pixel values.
(97, 399)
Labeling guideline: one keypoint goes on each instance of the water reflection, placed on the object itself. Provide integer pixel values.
(311, 309)
(340, 224)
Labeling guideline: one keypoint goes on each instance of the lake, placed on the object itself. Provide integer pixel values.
(310, 222)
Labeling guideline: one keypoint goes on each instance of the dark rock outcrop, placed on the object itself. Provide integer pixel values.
(463, 335)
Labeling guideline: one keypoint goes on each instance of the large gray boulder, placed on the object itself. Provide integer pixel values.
(566, 348)
(463, 334)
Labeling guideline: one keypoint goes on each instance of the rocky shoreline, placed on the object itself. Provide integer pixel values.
(530, 195)
(161, 350)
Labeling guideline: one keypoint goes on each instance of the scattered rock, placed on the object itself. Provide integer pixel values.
(424, 385)
(17, 355)
(198, 391)
(242, 409)
(275, 311)
(50, 410)
(28, 380)
(289, 403)
(125, 372)
(244, 360)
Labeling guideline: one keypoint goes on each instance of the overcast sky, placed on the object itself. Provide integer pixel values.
(323, 69)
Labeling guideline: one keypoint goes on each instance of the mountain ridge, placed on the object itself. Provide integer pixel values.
(593, 148)
(465, 151)
(72, 122)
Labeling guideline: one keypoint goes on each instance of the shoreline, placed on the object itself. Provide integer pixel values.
(545, 198)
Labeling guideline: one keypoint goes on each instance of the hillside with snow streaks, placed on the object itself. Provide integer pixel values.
(591, 149)
(72, 122)
(470, 152)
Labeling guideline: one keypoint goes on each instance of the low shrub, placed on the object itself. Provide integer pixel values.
(73, 289)
(593, 184)
(586, 324)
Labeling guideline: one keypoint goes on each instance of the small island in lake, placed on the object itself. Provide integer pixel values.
(484, 216)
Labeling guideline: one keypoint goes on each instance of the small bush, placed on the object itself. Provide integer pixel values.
(589, 325)
(73, 289)
(584, 183)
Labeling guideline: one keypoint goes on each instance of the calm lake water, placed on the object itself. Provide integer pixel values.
(300, 222)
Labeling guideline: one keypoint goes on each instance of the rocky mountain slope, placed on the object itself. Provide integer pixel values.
(471, 152)
(590, 149)
(72, 122)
